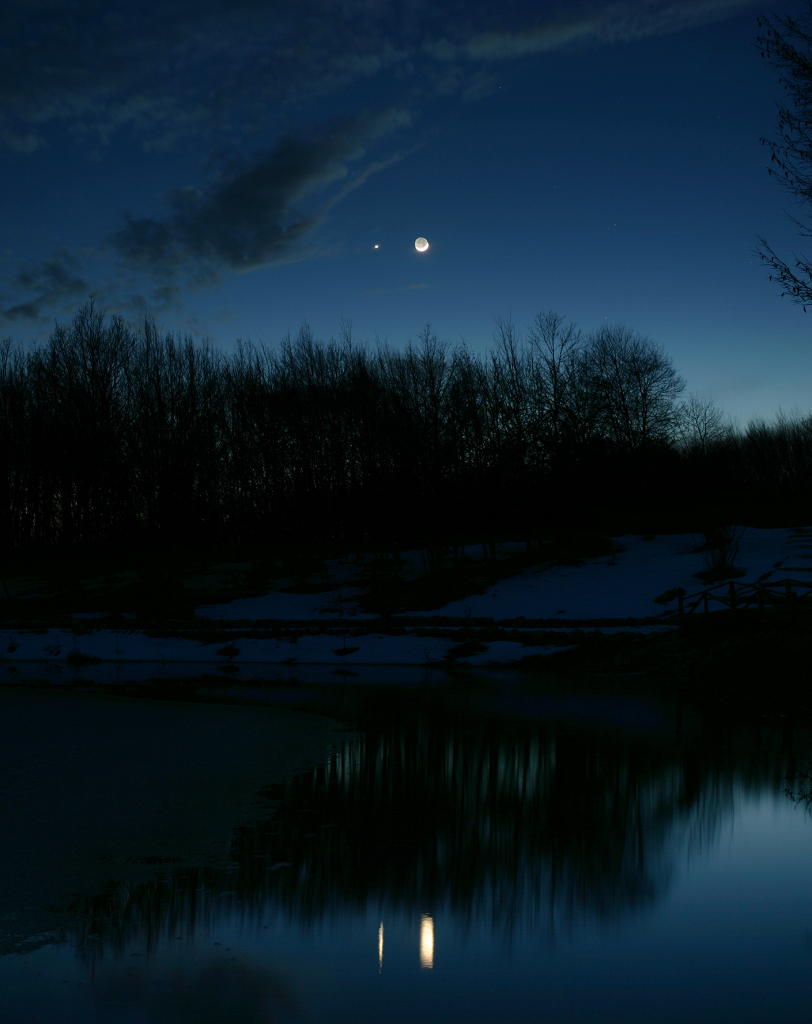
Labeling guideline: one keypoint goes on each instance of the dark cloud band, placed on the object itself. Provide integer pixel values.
(249, 218)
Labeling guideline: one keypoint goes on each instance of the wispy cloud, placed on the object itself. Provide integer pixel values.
(171, 70)
(615, 22)
(53, 282)
(250, 216)
(225, 69)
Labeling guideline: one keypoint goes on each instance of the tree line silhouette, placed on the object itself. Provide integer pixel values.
(119, 436)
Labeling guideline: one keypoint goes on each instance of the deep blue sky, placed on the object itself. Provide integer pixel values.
(230, 165)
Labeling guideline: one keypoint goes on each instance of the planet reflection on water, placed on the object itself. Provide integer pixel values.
(426, 942)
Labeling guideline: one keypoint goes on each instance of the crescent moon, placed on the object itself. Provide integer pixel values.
(421, 244)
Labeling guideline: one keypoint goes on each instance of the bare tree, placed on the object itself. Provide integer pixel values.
(16, 507)
(509, 369)
(787, 45)
(637, 387)
(700, 425)
(79, 393)
(554, 348)
(778, 456)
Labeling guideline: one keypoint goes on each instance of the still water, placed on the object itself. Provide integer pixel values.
(463, 856)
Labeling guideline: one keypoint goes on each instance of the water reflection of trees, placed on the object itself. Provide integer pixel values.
(523, 824)
(799, 788)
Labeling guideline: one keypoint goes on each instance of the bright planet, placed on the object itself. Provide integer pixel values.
(421, 244)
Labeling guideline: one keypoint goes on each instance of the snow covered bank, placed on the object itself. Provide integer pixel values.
(623, 586)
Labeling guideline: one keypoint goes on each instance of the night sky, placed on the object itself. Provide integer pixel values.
(238, 167)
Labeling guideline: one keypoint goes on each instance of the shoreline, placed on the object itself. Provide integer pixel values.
(233, 649)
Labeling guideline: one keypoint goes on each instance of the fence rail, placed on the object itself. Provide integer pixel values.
(742, 595)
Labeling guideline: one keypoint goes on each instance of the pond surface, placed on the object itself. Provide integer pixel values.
(466, 855)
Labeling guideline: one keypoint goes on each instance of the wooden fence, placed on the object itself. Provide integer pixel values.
(735, 595)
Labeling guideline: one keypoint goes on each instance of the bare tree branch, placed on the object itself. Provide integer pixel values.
(787, 45)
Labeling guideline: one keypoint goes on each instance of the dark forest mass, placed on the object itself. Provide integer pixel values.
(115, 436)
